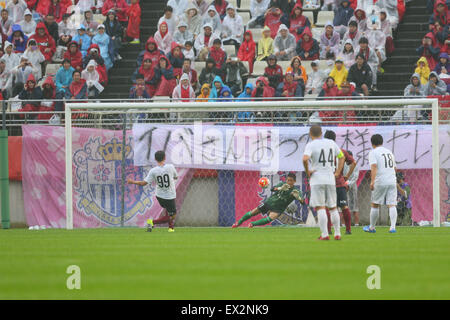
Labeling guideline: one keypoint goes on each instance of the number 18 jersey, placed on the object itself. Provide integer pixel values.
(323, 154)
(385, 161)
(164, 177)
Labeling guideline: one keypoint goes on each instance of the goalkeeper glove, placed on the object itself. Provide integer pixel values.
(296, 195)
(285, 187)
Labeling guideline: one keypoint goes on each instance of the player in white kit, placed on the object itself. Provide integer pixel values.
(322, 154)
(164, 175)
(383, 183)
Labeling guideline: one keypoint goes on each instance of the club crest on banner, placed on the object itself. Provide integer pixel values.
(98, 182)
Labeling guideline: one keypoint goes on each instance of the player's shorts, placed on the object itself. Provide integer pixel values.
(341, 194)
(353, 198)
(323, 195)
(386, 194)
(168, 204)
(265, 208)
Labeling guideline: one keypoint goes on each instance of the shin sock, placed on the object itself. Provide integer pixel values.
(374, 212)
(161, 220)
(329, 221)
(246, 216)
(262, 222)
(171, 222)
(336, 222)
(393, 216)
(323, 220)
(347, 219)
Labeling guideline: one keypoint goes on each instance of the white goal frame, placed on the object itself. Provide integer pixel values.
(165, 107)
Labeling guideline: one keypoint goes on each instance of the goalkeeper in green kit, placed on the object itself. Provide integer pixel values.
(282, 195)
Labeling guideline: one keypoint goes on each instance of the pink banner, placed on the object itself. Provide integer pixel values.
(421, 183)
(97, 182)
(96, 179)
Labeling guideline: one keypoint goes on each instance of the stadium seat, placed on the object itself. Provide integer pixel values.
(199, 65)
(229, 49)
(258, 68)
(323, 64)
(161, 99)
(311, 96)
(245, 17)
(245, 5)
(51, 69)
(99, 18)
(323, 17)
(309, 15)
(257, 34)
(252, 81)
(245, 63)
(232, 2)
(307, 66)
(317, 32)
(284, 65)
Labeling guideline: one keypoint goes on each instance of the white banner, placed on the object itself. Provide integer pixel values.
(269, 148)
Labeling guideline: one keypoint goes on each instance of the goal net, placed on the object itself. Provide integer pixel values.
(222, 149)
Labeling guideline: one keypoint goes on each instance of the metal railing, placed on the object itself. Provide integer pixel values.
(13, 119)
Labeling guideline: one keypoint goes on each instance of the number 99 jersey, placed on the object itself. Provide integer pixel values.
(164, 178)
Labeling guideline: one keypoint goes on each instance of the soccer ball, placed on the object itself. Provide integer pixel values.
(264, 182)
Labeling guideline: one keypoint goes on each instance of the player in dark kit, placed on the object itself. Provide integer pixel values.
(341, 187)
(283, 194)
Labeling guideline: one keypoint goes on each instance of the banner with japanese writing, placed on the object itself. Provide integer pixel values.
(279, 148)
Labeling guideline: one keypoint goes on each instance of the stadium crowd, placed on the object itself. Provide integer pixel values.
(81, 38)
(291, 57)
(204, 50)
(431, 76)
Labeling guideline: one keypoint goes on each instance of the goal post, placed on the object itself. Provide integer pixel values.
(368, 111)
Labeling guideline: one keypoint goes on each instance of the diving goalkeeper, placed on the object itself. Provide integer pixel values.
(282, 195)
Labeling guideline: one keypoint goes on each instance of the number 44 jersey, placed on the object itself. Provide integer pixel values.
(322, 153)
(164, 178)
(385, 161)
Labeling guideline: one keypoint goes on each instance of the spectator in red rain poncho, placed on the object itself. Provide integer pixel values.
(289, 87)
(440, 13)
(167, 81)
(221, 7)
(29, 93)
(73, 54)
(247, 50)
(151, 52)
(429, 49)
(45, 41)
(56, 7)
(31, 4)
(329, 89)
(134, 21)
(48, 96)
(262, 89)
(147, 71)
(298, 22)
(307, 48)
(272, 19)
(78, 87)
(347, 90)
(217, 53)
(273, 72)
(119, 6)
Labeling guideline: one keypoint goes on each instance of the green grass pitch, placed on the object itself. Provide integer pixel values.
(223, 263)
